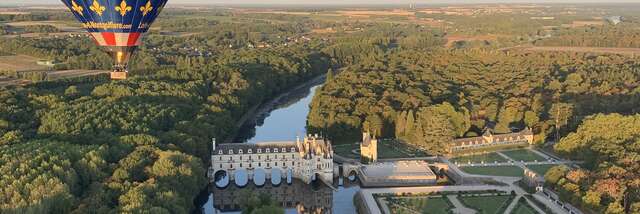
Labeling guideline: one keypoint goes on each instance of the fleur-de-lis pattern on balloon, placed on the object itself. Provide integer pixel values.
(76, 7)
(97, 8)
(146, 8)
(123, 8)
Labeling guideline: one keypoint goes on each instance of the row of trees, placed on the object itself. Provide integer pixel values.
(610, 182)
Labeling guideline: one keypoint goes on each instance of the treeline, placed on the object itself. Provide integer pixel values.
(626, 36)
(504, 91)
(91, 145)
(610, 182)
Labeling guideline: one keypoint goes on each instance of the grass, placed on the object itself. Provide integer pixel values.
(523, 208)
(486, 157)
(486, 204)
(523, 155)
(436, 205)
(541, 169)
(512, 171)
(344, 150)
(398, 149)
(386, 149)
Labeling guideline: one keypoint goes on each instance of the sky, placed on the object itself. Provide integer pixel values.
(351, 2)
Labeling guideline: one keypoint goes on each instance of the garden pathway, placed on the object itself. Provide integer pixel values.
(460, 208)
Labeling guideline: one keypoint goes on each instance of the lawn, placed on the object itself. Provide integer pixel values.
(486, 157)
(398, 149)
(523, 208)
(541, 169)
(386, 149)
(486, 204)
(344, 150)
(512, 171)
(523, 155)
(438, 205)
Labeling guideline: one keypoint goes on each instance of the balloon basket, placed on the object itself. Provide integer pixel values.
(118, 75)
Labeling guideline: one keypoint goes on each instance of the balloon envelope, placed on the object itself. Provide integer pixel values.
(117, 25)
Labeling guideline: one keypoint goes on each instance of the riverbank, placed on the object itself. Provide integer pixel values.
(270, 105)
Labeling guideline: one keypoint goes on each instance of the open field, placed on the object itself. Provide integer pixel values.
(523, 155)
(437, 205)
(74, 73)
(486, 158)
(511, 171)
(486, 204)
(541, 169)
(63, 26)
(20, 63)
(601, 50)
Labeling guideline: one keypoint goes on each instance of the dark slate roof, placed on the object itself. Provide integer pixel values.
(236, 147)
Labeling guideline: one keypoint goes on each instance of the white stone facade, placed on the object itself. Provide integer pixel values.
(305, 159)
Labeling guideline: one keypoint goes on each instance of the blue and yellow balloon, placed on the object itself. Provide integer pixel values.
(117, 25)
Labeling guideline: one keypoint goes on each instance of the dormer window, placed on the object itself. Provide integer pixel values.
(220, 152)
(240, 151)
(249, 151)
(275, 150)
(284, 149)
(293, 149)
(268, 150)
(231, 151)
(259, 150)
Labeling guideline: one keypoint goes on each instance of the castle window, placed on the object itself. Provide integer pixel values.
(249, 151)
(293, 149)
(284, 149)
(240, 157)
(231, 151)
(220, 152)
(293, 163)
(267, 150)
(259, 164)
(275, 150)
(259, 150)
(220, 157)
(292, 156)
(240, 165)
(230, 158)
(267, 164)
(231, 166)
(220, 166)
(240, 151)
(276, 164)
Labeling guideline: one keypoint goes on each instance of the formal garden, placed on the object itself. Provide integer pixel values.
(491, 157)
(431, 205)
(522, 207)
(387, 148)
(437, 202)
(487, 204)
(525, 155)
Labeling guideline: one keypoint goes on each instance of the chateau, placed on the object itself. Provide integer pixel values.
(488, 139)
(306, 160)
(368, 148)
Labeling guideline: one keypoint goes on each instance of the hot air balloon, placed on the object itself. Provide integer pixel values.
(117, 25)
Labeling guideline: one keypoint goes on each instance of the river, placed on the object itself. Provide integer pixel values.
(284, 119)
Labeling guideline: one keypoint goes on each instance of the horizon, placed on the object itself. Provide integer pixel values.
(343, 3)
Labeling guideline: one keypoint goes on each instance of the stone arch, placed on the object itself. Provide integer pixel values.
(241, 177)
(276, 176)
(221, 179)
(259, 177)
(352, 175)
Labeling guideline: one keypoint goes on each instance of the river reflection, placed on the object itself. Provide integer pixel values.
(297, 197)
(285, 121)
